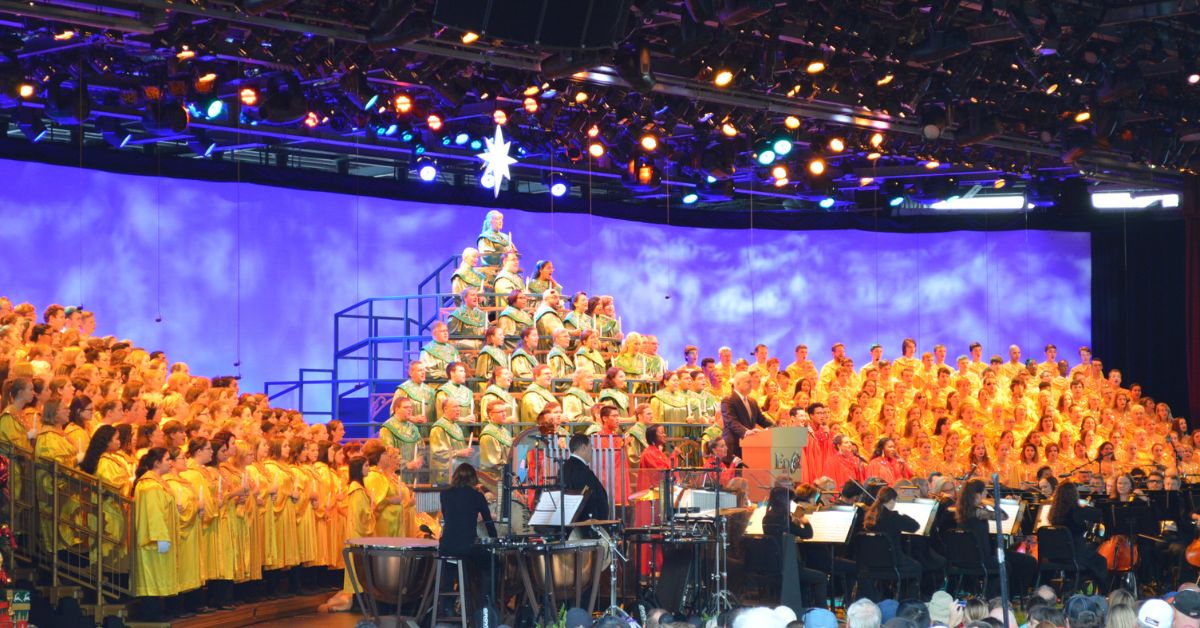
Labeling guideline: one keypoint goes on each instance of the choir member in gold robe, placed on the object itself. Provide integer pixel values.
(155, 535)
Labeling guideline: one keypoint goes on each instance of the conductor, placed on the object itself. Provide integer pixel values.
(740, 414)
(577, 475)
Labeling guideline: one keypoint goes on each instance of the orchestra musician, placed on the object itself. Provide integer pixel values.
(780, 519)
(577, 474)
(882, 518)
(462, 507)
(1066, 511)
(973, 517)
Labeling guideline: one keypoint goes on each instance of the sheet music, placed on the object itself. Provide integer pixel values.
(1043, 518)
(830, 526)
(553, 508)
(921, 510)
(754, 526)
(1011, 508)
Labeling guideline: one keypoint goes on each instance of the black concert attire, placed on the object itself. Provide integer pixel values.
(1022, 568)
(1080, 519)
(740, 414)
(776, 522)
(576, 475)
(462, 506)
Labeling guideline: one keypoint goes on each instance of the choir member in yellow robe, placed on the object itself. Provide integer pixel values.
(495, 441)
(547, 318)
(524, 358)
(100, 460)
(76, 428)
(330, 482)
(613, 391)
(499, 382)
(282, 551)
(240, 508)
(360, 511)
(558, 358)
(401, 433)
(260, 483)
(15, 430)
(202, 479)
(188, 552)
(446, 443)
(669, 404)
(493, 353)
(635, 436)
(514, 317)
(393, 501)
(306, 519)
(422, 394)
(156, 530)
(457, 391)
(52, 444)
(508, 280)
(577, 402)
(537, 395)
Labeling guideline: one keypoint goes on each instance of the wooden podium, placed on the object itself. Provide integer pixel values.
(773, 452)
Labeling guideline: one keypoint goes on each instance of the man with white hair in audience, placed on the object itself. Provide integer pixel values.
(863, 614)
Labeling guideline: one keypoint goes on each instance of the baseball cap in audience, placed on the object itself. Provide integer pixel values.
(1155, 614)
(939, 607)
(578, 617)
(822, 618)
(1188, 603)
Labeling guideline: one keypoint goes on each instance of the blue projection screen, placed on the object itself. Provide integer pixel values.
(241, 271)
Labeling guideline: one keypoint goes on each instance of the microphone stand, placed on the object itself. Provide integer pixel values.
(1000, 548)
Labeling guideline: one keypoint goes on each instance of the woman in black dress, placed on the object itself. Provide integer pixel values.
(973, 517)
(462, 507)
(882, 518)
(1066, 511)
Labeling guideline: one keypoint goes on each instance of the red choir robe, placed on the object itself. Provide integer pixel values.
(888, 470)
(818, 454)
(845, 467)
(649, 475)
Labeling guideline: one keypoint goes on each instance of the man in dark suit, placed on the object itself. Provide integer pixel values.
(577, 474)
(740, 414)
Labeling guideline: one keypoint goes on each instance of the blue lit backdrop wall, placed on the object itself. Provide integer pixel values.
(256, 272)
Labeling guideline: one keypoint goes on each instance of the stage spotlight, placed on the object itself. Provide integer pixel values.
(690, 198)
(581, 97)
(1192, 79)
(887, 78)
(895, 201)
(933, 121)
(434, 122)
(596, 150)
(558, 184)
(641, 175)
(894, 192)
(791, 122)
(649, 142)
(782, 146)
(837, 145)
(248, 96)
(816, 166)
(499, 117)
(764, 152)
(403, 103)
(31, 125)
(593, 131)
(826, 202)
(358, 90)
(1053, 87)
(728, 130)
(722, 78)
(933, 164)
(165, 119)
(214, 109)
(876, 139)
(873, 155)
(470, 37)
(312, 119)
(865, 181)
(426, 168)
(461, 138)
(816, 67)
(26, 90)
(1083, 116)
(779, 172)
(530, 104)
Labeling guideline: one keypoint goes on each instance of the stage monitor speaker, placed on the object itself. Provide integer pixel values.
(678, 572)
(562, 24)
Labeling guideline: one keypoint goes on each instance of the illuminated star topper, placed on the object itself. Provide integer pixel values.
(496, 160)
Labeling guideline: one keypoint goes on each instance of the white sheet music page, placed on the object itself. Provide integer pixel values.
(553, 508)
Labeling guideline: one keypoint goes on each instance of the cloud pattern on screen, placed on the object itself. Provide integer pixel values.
(130, 248)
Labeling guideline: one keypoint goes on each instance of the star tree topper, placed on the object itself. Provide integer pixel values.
(496, 160)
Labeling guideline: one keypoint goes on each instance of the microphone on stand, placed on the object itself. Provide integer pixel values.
(974, 465)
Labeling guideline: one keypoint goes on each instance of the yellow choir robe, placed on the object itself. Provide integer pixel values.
(52, 444)
(187, 550)
(360, 522)
(204, 482)
(390, 519)
(444, 439)
(282, 550)
(331, 487)
(14, 432)
(236, 516)
(260, 480)
(79, 437)
(306, 520)
(111, 469)
(155, 519)
(494, 444)
(577, 405)
(533, 401)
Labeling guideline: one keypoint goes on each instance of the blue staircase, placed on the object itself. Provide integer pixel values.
(374, 341)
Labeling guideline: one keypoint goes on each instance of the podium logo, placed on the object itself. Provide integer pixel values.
(789, 462)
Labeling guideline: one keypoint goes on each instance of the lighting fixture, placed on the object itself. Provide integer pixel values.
(593, 131)
(932, 164)
(837, 145)
(403, 103)
(1193, 79)
(873, 155)
(690, 198)
(248, 96)
(214, 108)
(816, 67)
(728, 130)
(1053, 87)
(461, 138)
(1083, 116)
(865, 181)
(434, 122)
(596, 150)
(312, 120)
(781, 182)
(26, 90)
(426, 168)
(532, 90)
(816, 166)
(791, 122)
(581, 97)
(779, 172)
(530, 104)
(31, 125)
(185, 53)
(499, 117)
(723, 78)
(649, 142)
(470, 37)
(782, 146)
(876, 139)
(887, 78)
(558, 184)
(826, 202)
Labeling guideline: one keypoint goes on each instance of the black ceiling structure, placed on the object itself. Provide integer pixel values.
(920, 100)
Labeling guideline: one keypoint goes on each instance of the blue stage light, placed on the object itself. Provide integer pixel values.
(426, 169)
(826, 202)
(558, 183)
(215, 108)
(782, 146)
(690, 198)
(461, 139)
(896, 201)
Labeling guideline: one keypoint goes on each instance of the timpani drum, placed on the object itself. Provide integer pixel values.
(571, 566)
(392, 570)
